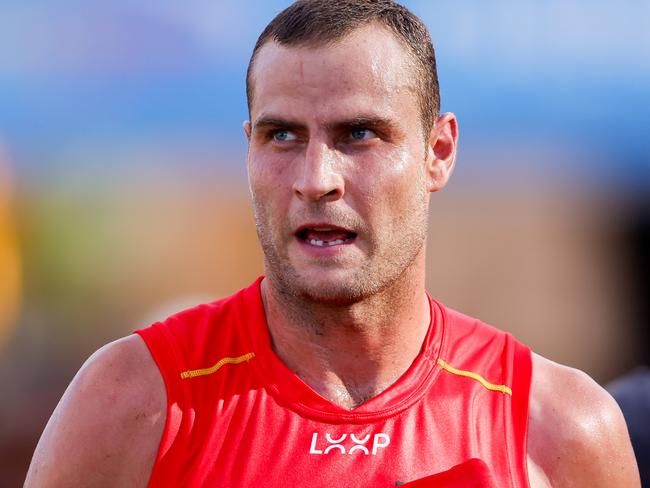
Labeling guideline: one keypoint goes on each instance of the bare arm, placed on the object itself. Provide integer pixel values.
(106, 429)
(577, 434)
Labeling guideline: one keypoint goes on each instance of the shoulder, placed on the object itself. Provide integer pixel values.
(577, 435)
(108, 425)
(464, 328)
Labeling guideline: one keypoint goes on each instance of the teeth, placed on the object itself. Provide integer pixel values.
(318, 242)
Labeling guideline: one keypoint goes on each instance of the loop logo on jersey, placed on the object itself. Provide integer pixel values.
(349, 444)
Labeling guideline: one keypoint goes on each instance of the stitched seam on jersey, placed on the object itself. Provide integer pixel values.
(475, 376)
(192, 373)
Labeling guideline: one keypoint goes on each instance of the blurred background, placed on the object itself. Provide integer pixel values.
(123, 193)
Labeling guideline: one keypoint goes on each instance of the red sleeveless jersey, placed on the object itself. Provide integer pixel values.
(238, 417)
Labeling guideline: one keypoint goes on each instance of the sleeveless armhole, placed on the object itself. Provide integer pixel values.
(521, 379)
(165, 355)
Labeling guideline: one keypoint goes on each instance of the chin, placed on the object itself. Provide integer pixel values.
(332, 293)
(326, 288)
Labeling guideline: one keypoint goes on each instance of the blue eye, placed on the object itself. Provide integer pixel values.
(283, 135)
(362, 134)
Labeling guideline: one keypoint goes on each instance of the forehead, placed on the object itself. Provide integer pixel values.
(368, 70)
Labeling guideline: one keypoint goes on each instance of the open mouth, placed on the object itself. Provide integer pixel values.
(323, 236)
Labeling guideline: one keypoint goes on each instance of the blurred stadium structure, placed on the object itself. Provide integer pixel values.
(122, 126)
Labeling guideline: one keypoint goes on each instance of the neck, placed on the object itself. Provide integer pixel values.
(349, 354)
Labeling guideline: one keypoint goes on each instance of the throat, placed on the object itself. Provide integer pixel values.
(347, 354)
(352, 399)
(342, 366)
(350, 394)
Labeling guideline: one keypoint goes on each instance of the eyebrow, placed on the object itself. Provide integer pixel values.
(270, 121)
(369, 121)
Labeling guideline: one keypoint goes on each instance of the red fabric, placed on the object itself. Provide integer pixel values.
(255, 423)
(471, 474)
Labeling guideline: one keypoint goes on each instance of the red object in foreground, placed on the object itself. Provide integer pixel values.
(471, 474)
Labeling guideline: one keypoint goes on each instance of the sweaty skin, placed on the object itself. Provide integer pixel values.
(335, 154)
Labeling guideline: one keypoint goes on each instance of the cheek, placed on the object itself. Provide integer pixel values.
(271, 197)
(393, 181)
(268, 169)
(264, 179)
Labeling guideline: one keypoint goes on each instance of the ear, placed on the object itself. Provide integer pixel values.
(441, 151)
(247, 129)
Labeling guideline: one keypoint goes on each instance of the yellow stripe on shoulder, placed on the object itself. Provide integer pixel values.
(192, 373)
(475, 376)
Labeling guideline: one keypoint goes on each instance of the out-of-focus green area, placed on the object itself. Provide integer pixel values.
(123, 194)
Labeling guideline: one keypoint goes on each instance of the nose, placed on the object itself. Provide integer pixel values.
(318, 177)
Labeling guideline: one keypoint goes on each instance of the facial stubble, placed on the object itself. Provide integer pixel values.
(383, 268)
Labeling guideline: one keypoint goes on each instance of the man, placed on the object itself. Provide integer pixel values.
(336, 368)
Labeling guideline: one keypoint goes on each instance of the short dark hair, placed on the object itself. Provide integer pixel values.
(320, 22)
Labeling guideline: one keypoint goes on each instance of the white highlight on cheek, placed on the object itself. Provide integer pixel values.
(402, 160)
(395, 162)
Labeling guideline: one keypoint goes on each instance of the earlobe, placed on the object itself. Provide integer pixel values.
(441, 151)
(247, 129)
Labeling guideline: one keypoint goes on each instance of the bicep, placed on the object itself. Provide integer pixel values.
(106, 429)
(577, 433)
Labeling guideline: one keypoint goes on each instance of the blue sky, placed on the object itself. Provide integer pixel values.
(79, 78)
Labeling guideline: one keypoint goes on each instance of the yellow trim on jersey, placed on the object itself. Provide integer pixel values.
(202, 372)
(475, 376)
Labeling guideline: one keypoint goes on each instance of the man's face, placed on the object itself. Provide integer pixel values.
(336, 164)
